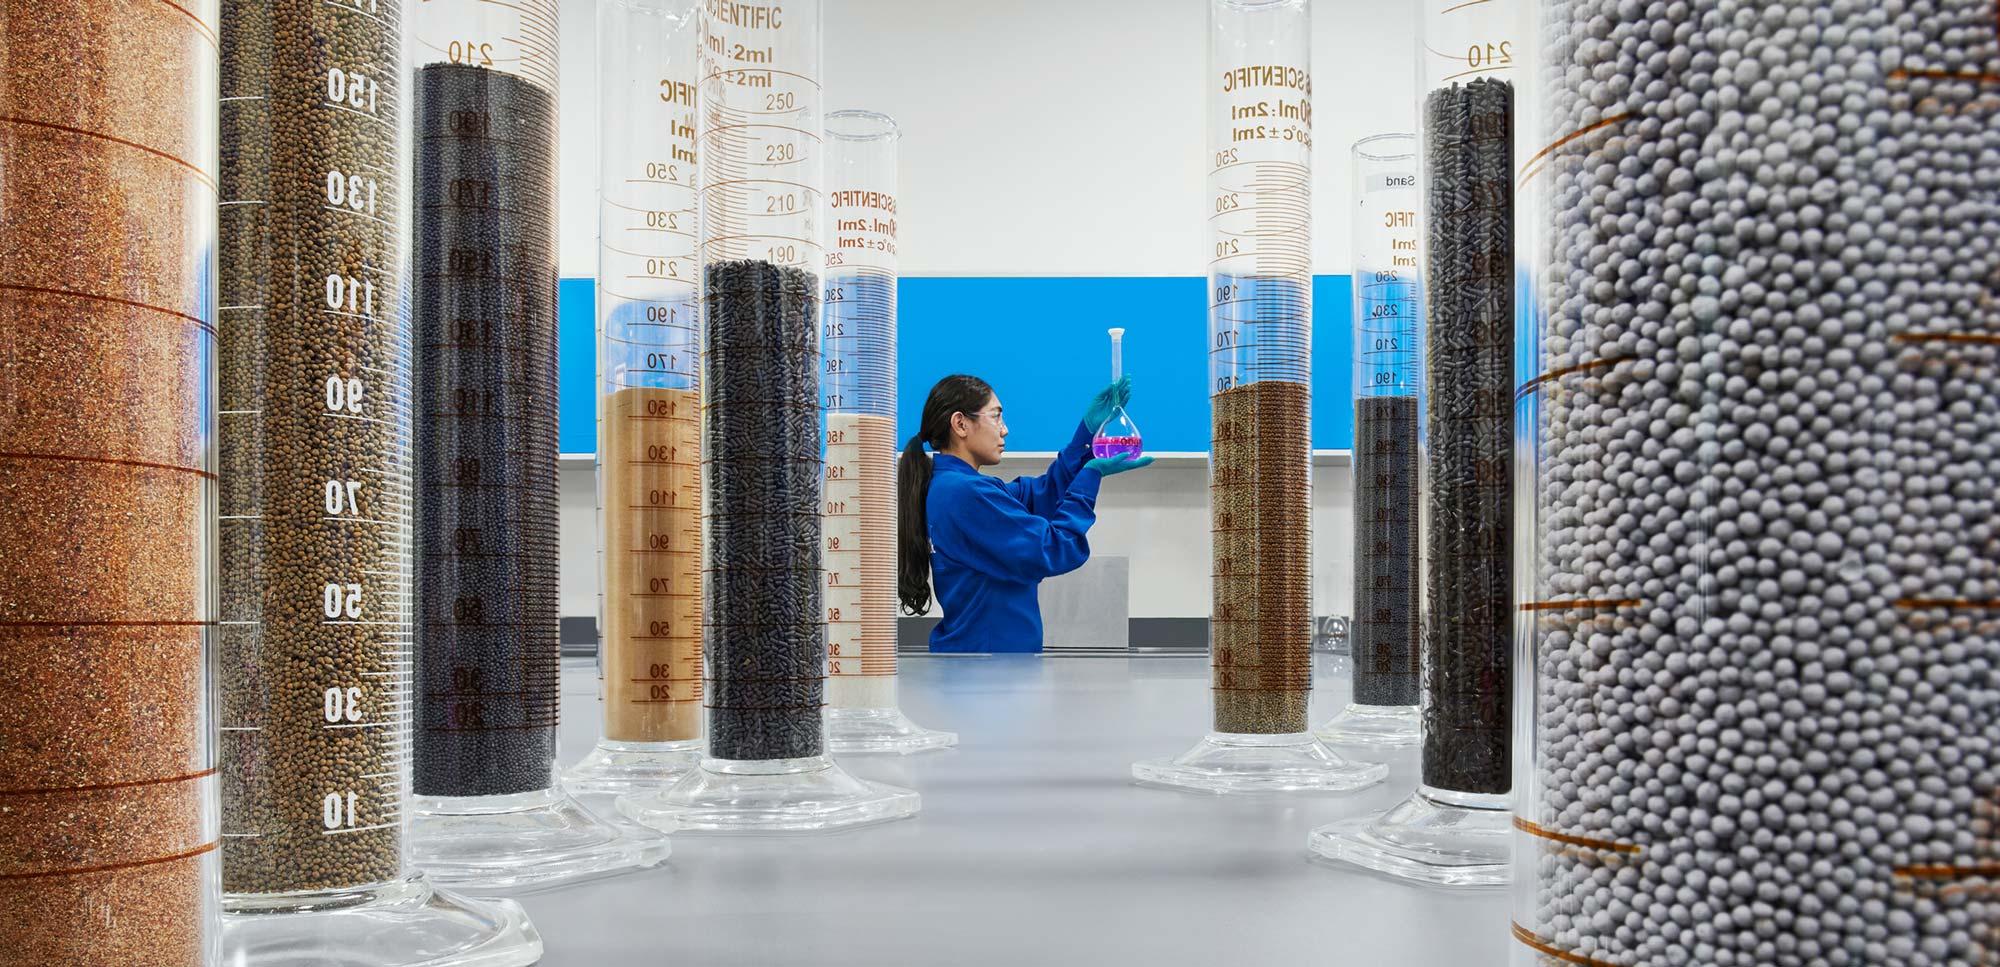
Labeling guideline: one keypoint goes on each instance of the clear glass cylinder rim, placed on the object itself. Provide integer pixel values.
(854, 125)
(671, 9)
(1392, 146)
(1259, 6)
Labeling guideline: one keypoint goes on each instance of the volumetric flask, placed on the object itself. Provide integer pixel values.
(107, 347)
(648, 402)
(858, 388)
(315, 510)
(1388, 379)
(1259, 213)
(1453, 830)
(763, 620)
(490, 813)
(1119, 436)
(1761, 618)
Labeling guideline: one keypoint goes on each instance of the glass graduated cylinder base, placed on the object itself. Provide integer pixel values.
(769, 796)
(524, 842)
(402, 924)
(874, 731)
(1373, 726)
(1226, 763)
(1436, 836)
(617, 768)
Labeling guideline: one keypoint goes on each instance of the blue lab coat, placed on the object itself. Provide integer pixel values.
(992, 543)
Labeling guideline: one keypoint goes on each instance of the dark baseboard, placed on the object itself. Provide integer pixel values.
(579, 637)
(913, 635)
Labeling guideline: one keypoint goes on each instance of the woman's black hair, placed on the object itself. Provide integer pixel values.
(956, 393)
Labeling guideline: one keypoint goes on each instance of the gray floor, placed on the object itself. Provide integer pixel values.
(1033, 846)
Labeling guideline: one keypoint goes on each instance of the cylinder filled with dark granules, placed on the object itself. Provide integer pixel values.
(765, 635)
(107, 339)
(313, 443)
(1469, 361)
(1388, 378)
(1385, 627)
(487, 542)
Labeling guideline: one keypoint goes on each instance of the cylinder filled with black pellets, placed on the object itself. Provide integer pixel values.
(1388, 388)
(488, 809)
(1259, 217)
(1454, 830)
(761, 148)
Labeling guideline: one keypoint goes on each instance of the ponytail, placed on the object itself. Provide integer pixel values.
(913, 532)
(952, 394)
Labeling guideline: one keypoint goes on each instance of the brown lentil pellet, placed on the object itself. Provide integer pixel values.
(313, 446)
(1261, 504)
(106, 215)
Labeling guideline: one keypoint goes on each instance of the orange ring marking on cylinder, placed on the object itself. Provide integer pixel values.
(1957, 604)
(1556, 374)
(1539, 945)
(1596, 604)
(1968, 338)
(82, 871)
(205, 773)
(1902, 74)
(1528, 169)
(1943, 871)
(1630, 849)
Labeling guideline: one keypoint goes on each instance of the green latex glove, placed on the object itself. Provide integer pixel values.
(1107, 401)
(1112, 466)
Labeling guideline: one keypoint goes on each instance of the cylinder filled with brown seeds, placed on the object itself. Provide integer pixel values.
(314, 439)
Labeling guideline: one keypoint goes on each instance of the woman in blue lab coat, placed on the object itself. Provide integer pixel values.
(987, 543)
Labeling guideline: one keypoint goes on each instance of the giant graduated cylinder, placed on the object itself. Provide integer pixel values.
(315, 449)
(490, 811)
(762, 151)
(1388, 381)
(484, 294)
(107, 347)
(858, 389)
(1756, 720)
(1453, 831)
(1259, 215)
(761, 253)
(648, 404)
(1260, 363)
(317, 511)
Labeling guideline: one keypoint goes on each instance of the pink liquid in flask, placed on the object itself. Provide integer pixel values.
(1112, 446)
(1119, 436)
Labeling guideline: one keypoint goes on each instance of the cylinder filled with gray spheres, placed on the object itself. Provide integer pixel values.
(1760, 694)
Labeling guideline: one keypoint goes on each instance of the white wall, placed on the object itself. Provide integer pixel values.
(1054, 137)
(1048, 137)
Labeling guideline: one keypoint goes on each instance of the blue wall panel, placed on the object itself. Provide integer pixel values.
(576, 313)
(1041, 343)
